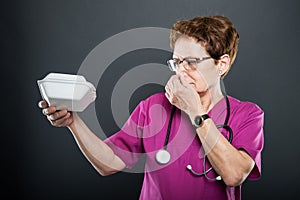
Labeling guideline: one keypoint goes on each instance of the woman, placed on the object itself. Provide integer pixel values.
(214, 130)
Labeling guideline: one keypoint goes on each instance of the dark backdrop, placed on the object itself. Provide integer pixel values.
(43, 162)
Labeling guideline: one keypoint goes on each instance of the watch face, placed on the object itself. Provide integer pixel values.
(198, 120)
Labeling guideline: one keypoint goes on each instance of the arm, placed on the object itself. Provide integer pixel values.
(95, 150)
(231, 164)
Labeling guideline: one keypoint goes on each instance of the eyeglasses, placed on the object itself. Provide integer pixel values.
(190, 64)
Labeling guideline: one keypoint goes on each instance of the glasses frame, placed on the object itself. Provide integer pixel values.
(173, 64)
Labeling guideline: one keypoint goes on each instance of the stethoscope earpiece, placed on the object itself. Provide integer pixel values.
(189, 167)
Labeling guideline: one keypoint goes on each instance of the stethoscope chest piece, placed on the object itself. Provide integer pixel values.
(162, 156)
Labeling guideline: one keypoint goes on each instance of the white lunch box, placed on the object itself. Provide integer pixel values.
(67, 91)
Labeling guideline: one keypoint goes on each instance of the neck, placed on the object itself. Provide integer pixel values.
(210, 97)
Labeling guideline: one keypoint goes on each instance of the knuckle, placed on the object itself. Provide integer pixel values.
(49, 119)
(68, 115)
(66, 122)
(64, 112)
(53, 116)
(51, 109)
(41, 104)
(53, 123)
(173, 99)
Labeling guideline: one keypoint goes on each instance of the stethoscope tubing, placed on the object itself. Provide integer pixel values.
(189, 167)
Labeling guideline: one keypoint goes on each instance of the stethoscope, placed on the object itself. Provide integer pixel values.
(163, 156)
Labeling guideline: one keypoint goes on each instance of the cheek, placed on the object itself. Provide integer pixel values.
(211, 73)
(200, 83)
(197, 81)
(206, 78)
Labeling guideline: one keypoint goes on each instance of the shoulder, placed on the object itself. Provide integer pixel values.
(248, 106)
(157, 98)
(246, 115)
(245, 109)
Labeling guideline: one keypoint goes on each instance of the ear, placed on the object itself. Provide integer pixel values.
(224, 64)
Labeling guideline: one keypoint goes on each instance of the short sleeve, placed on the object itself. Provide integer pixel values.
(127, 143)
(249, 135)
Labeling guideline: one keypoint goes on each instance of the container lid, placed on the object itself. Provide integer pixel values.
(64, 77)
(67, 91)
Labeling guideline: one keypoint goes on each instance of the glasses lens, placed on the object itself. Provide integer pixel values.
(191, 61)
(190, 64)
(172, 65)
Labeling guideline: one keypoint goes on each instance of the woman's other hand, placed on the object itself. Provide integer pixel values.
(58, 118)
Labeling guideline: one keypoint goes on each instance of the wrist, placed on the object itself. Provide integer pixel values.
(74, 123)
(199, 120)
(192, 115)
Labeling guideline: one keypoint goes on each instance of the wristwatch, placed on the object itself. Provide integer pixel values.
(198, 120)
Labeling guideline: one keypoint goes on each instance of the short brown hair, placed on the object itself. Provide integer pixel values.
(216, 33)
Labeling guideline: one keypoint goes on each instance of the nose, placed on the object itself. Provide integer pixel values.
(181, 68)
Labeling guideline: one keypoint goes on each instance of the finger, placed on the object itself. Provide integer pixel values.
(67, 122)
(167, 89)
(62, 121)
(171, 98)
(171, 85)
(173, 77)
(172, 80)
(43, 104)
(183, 80)
(174, 100)
(167, 95)
(176, 85)
(50, 110)
(58, 115)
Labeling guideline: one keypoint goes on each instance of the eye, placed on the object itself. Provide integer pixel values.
(191, 61)
(176, 61)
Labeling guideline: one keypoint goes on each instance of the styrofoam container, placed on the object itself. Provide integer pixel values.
(67, 91)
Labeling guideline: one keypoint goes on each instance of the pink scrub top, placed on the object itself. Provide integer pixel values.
(144, 134)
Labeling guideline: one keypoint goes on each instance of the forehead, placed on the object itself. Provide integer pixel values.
(188, 47)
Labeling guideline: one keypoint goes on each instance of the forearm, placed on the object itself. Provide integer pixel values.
(231, 164)
(94, 149)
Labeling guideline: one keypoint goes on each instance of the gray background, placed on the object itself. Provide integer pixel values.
(43, 162)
